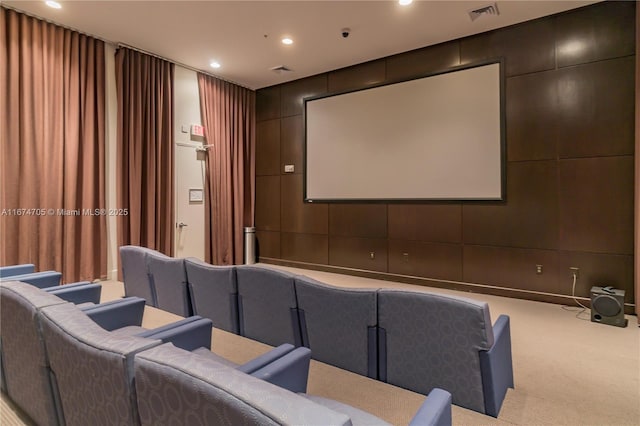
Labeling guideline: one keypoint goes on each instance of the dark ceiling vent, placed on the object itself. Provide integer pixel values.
(489, 9)
(281, 69)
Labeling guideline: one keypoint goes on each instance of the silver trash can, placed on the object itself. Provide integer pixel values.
(249, 245)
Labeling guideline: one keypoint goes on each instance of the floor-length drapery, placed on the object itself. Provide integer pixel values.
(145, 150)
(637, 201)
(52, 125)
(228, 115)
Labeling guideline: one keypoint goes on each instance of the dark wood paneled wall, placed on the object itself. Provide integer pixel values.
(570, 99)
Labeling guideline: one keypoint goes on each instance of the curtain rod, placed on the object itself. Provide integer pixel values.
(118, 45)
(155, 55)
(66, 27)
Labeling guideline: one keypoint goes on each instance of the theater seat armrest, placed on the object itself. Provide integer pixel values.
(267, 358)
(117, 313)
(77, 293)
(188, 336)
(9, 271)
(71, 285)
(290, 371)
(435, 410)
(496, 367)
(37, 279)
(169, 326)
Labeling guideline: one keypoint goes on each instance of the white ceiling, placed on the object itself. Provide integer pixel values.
(244, 36)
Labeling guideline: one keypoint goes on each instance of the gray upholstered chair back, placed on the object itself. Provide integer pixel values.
(93, 368)
(24, 358)
(169, 279)
(178, 387)
(214, 293)
(339, 325)
(135, 275)
(267, 306)
(429, 340)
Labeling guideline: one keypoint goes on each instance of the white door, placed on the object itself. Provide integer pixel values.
(189, 167)
(189, 235)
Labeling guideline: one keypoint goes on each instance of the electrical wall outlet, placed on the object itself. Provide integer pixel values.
(574, 271)
(538, 269)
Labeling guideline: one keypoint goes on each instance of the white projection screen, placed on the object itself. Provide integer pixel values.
(438, 137)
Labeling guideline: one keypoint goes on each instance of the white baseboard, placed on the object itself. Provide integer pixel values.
(112, 275)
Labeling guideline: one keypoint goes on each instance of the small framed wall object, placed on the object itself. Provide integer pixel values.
(196, 195)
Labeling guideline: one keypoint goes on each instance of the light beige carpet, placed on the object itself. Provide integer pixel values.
(568, 370)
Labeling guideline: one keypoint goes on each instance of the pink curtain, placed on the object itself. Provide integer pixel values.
(228, 115)
(637, 236)
(52, 95)
(145, 150)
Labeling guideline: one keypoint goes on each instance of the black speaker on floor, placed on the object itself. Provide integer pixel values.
(607, 306)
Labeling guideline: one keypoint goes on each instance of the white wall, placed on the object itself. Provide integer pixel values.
(111, 128)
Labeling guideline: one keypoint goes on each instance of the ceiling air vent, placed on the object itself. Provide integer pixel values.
(489, 9)
(281, 69)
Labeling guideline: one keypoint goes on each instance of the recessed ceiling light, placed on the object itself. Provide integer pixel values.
(287, 40)
(215, 64)
(53, 4)
(405, 2)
